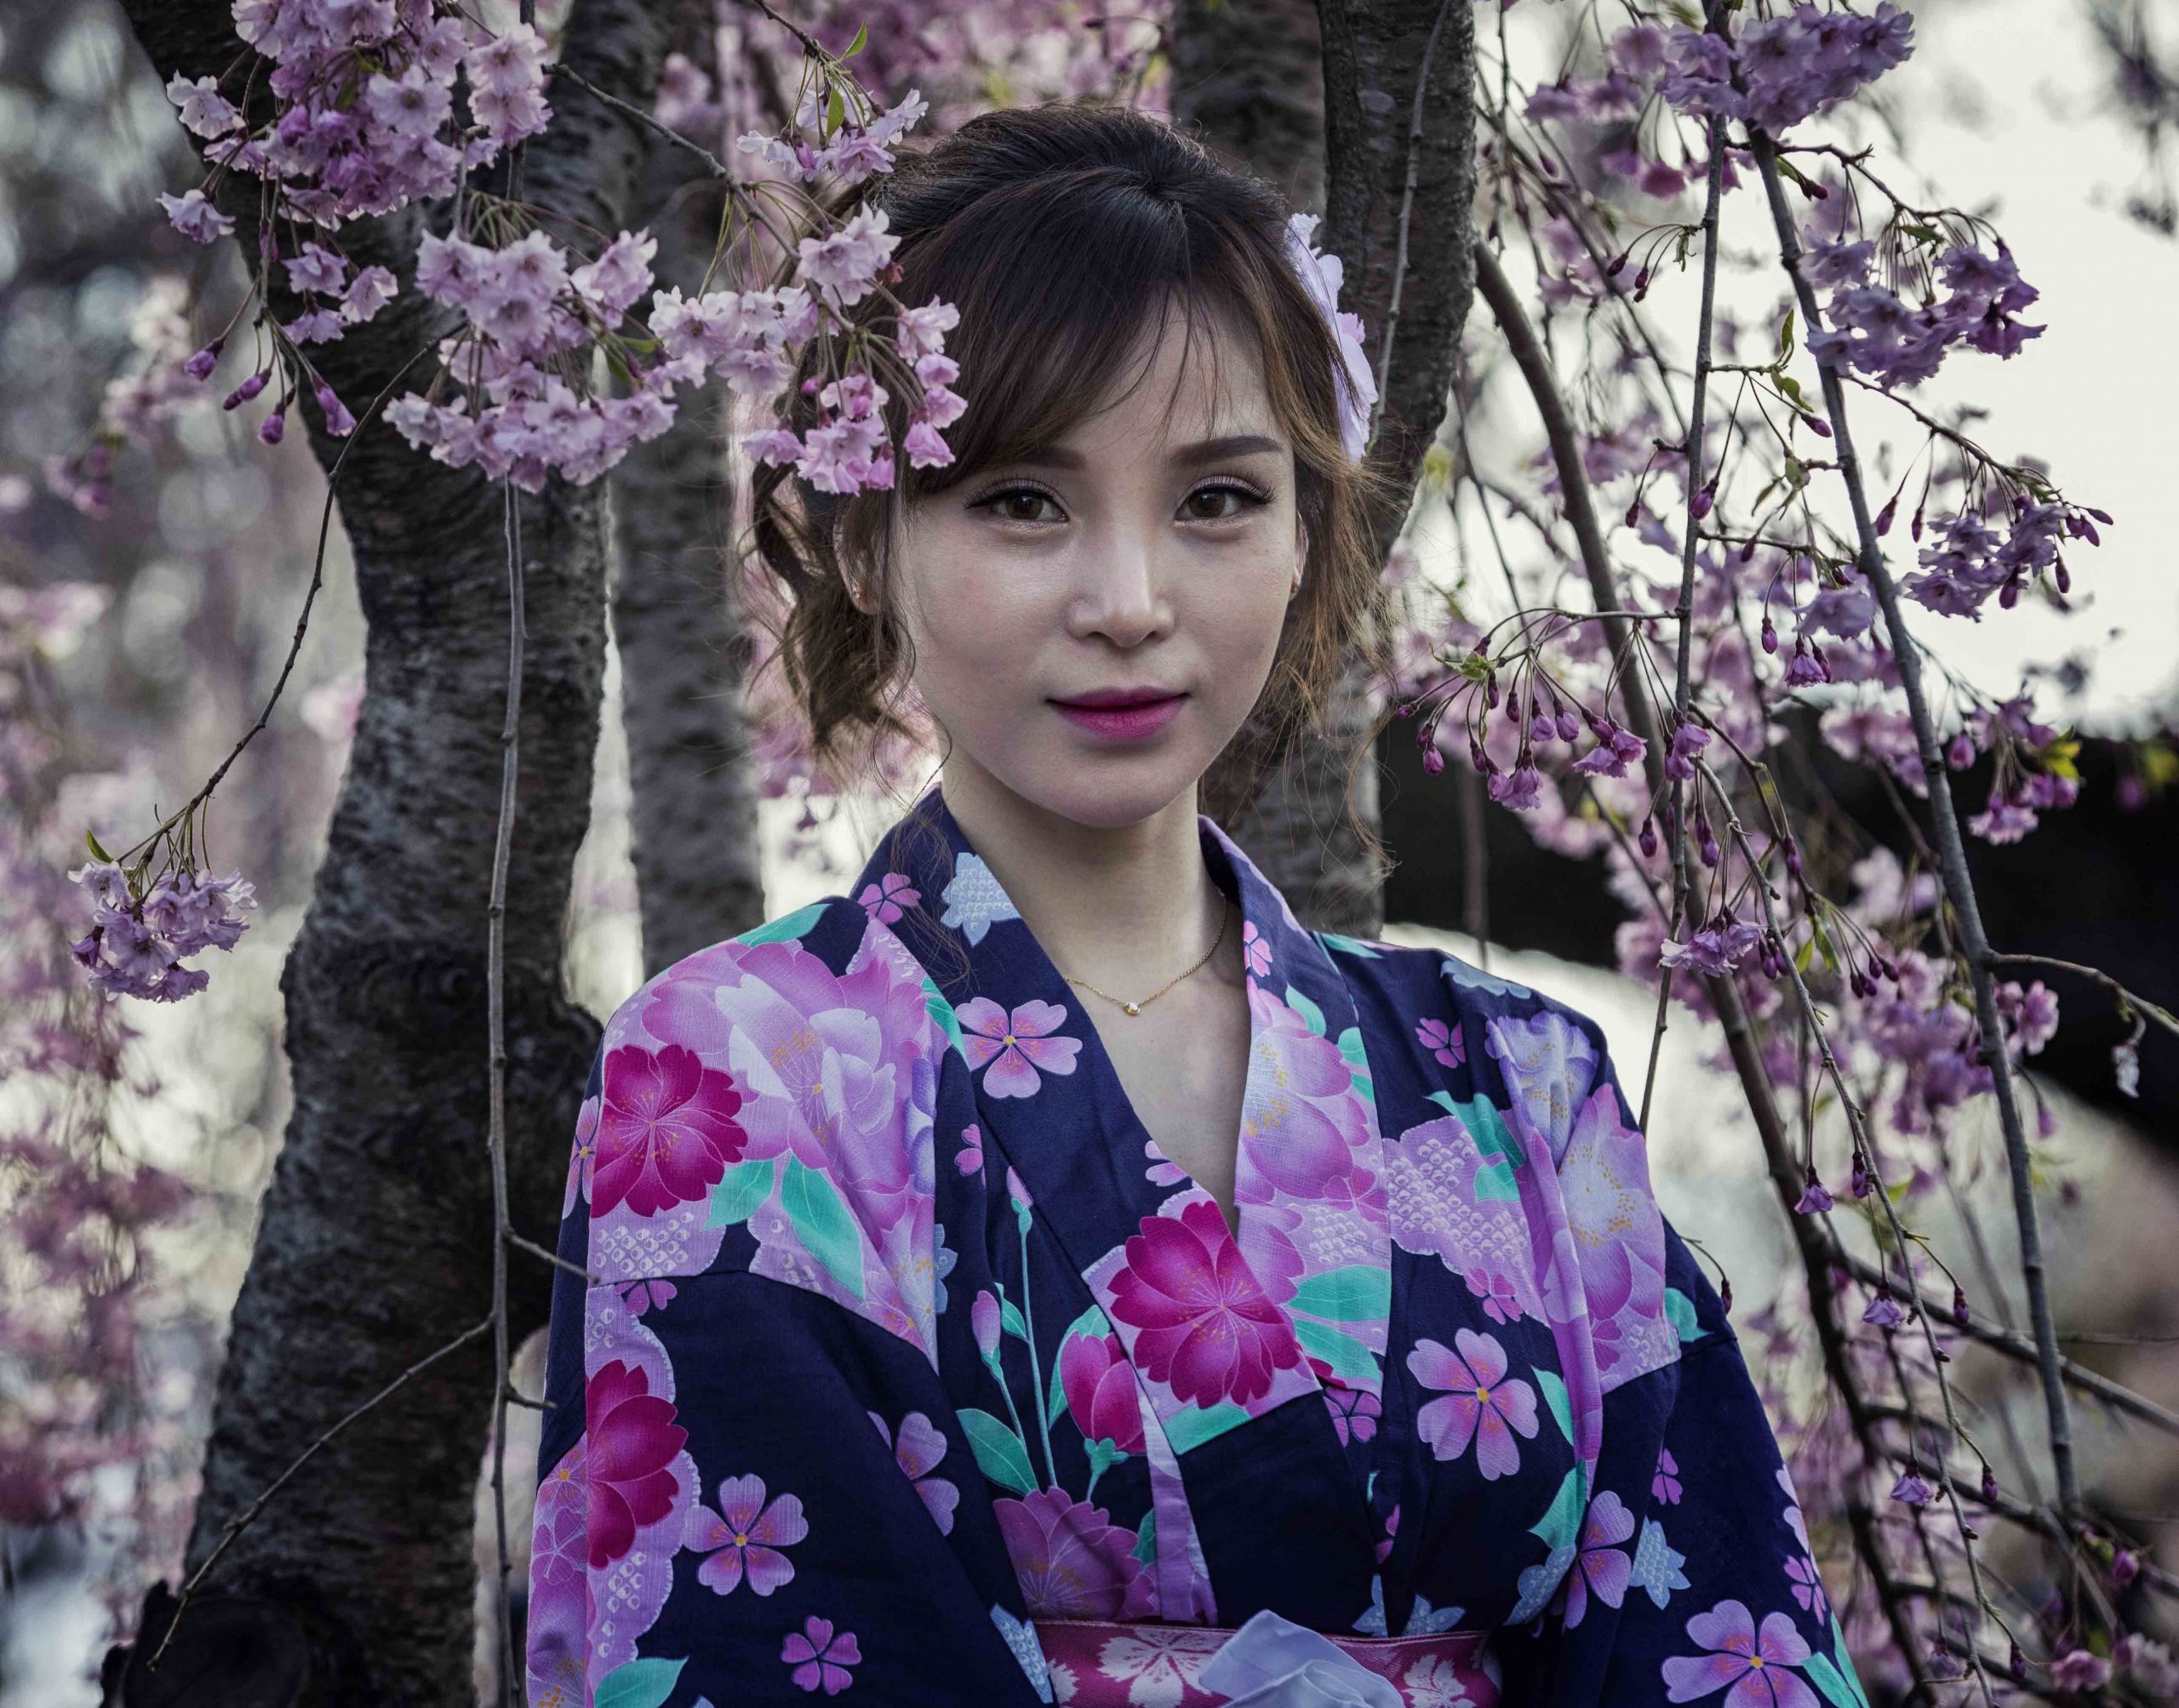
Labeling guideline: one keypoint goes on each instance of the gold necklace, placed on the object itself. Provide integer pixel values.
(1126, 1007)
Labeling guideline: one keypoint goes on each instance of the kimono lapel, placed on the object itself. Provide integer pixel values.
(1220, 1331)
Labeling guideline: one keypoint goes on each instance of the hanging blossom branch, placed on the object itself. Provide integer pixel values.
(1757, 554)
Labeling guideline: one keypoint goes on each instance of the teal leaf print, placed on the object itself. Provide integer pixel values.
(1463, 977)
(1356, 1293)
(823, 1223)
(1312, 1015)
(1197, 1425)
(1350, 1360)
(1558, 1525)
(1679, 1311)
(1826, 1677)
(1348, 945)
(1845, 1664)
(1555, 1396)
(941, 1011)
(1486, 1124)
(742, 1192)
(1444, 1099)
(642, 1683)
(1146, 1538)
(786, 928)
(1350, 1048)
(1000, 1451)
(1010, 1320)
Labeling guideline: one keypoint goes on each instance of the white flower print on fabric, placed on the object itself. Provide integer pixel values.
(973, 900)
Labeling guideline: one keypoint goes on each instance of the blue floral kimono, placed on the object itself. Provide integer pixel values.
(912, 1368)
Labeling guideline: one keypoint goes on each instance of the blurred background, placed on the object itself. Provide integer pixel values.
(2051, 115)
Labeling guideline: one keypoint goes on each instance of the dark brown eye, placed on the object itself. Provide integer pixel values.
(998, 503)
(1245, 498)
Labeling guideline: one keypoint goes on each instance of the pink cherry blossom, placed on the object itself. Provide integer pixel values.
(1205, 1326)
(1485, 1406)
(821, 1659)
(667, 1131)
(919, 1449)
(1071, 1560)
(633, 1441)
(888, 899)
(1013, 1047)
(743, 1539)
(1601, 1568)
(1756, 1668)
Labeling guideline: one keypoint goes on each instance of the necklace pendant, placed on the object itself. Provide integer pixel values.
(1132, 1008)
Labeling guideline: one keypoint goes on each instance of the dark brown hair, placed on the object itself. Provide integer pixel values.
(1058, 230)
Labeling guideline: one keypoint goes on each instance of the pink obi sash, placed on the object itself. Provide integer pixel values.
(1115, 1664)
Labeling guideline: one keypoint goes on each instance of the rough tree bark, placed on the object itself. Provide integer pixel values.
(374, 1249)
(678, 624)
(1398, 217)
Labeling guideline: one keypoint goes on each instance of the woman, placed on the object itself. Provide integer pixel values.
(1019, 1273)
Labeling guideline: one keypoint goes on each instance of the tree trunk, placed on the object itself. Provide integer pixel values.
(1255, 99)
(678, 623)
(375, 1249)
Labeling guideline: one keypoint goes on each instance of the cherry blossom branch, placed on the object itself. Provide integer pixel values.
(1958, 885)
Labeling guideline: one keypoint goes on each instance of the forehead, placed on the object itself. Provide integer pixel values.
(1192, 372)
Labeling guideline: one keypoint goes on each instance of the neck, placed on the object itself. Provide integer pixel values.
(1125, 907)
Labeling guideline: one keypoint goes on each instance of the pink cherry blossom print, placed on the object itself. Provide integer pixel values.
(1502, 1300)
(970, 1158)
(1354, 1411)
(1665, 1485)
(744, 1537)
(582, 1156)
(919, 1451)
(1601, 1568)
(667, 1134)
(1256, 949)
(1071, 1560)
(821, 1659)
(633, 1442)
(1443, 1042)
(1014, 1046)
(1206, 1326)
(889, 898)
(1099, 1383)
(1162, 1171)
(1483, 1406)
(1808, 1586)
(1757, 1668)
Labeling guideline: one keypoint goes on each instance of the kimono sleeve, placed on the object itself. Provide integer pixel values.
(748, 1493)
(1692, 1568)
(1719, 1581)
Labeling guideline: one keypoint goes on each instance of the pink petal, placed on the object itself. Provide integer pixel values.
(1448, 1424)
(921, 1446)
(982, 1014)
(1690, 1676)
(1484, 1356)
(1054, 1055)
(1034, 1019)
(1608, 1571)
(1010, 1076)
(1434, 1367)
(782, 1524)
(1497, 1454)
(1515, 1402)
(741, 1499)
(721, 1571)
(1728, 1626)
(1781, 1643)
(940, 1498)
(768, 1569)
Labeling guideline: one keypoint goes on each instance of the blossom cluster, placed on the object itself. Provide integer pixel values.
(363, 90)
(530, 322)
(138, 404)
(137, 943)
(1872, 328)
(1793, 65)
(1967, 560)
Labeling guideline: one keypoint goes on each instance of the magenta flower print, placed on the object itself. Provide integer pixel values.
(919, 1449)
(666, 1133)
(1443, 1042)
(1256, 949)
(1665, 1485)
(632, 1443)
(1071, 1560)
(1100, 1386)
(1162, 1171)
(1206, 1328)
(1485, 1406)
(743, 1539)
(1354, 1411)
(889, 898)
(1600, 1567)
(1757, 1667)
(1016, 1045)
(819, 1658)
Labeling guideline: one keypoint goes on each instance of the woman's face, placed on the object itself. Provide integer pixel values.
(1149, 555)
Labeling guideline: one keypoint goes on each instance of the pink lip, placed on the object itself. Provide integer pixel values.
(1129, 720)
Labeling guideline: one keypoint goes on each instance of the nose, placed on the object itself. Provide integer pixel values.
(1120, 594)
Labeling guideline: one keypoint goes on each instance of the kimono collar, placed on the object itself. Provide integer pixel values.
(1308, 1283)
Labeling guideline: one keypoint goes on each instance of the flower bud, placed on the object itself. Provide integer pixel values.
(273, 426)
(1434, 761)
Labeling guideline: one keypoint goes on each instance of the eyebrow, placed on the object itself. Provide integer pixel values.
(1186, 456)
